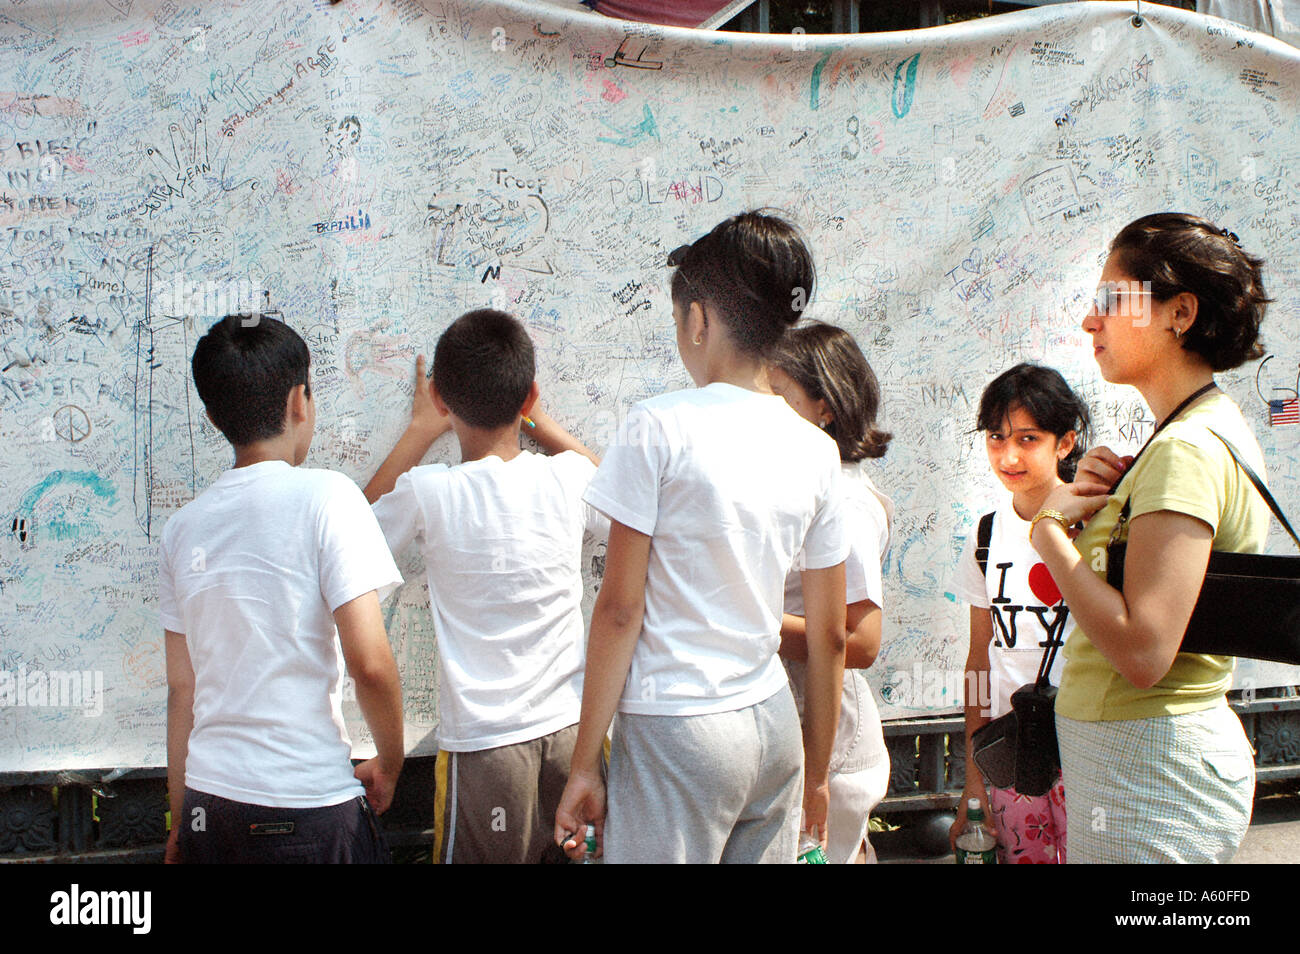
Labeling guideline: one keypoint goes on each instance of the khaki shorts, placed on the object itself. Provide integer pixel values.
(497, 806)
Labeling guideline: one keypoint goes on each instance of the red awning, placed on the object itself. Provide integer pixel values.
(708, 14)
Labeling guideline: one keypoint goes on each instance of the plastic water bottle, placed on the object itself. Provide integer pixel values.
(810, 850)
(976, 845)
(589, 856)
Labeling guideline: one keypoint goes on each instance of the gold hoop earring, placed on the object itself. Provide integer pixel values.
(699, 341)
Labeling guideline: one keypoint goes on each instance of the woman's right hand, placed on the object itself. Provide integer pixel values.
(1102, 465)
(973, 789)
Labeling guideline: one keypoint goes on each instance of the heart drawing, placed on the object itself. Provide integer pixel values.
(1043, 586)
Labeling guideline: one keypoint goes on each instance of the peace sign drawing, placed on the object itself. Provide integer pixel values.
(71, 423)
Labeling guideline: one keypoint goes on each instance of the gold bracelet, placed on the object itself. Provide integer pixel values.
(1050, 515)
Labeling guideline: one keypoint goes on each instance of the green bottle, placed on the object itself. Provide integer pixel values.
(810, 850)
(976, 845)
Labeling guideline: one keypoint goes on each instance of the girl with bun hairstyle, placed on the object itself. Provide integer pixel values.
(821, 372)
(1157, 767)
(713, 494)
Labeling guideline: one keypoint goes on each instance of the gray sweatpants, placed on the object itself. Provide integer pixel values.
(724, 787)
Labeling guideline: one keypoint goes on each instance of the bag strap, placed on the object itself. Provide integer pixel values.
(983, 536)
(1124, 511)
(1259, 485)
(1049, 657)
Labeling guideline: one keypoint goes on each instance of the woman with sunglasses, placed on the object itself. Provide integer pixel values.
(1156, 765)
(713, 494)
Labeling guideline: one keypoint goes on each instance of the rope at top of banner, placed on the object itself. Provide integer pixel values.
(1137, 17)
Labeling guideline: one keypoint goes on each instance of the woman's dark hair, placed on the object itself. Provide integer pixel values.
(244, 369)
(755, 272)
(1042, 394)
(484, 367)
(1177, 253)
(828, 364)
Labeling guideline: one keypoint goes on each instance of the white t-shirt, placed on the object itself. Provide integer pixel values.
(734, 487)
(1024, 601)
(859, 738)
(502, 544)
(251, 572)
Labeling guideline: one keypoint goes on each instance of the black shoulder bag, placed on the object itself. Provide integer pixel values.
(1249, 604)
(1018, 750)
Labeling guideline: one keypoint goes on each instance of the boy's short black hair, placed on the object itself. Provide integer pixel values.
(483, 367)
(244, 369)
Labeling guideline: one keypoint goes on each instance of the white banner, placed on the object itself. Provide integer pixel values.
(371, 170)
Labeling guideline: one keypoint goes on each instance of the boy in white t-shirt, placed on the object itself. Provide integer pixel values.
(502, 536)
(263, 579)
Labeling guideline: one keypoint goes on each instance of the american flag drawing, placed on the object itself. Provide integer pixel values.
(1284, 411)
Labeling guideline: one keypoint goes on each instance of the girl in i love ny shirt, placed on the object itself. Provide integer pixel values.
(1034, 429)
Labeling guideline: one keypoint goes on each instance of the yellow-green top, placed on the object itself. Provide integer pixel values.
(1185, 469)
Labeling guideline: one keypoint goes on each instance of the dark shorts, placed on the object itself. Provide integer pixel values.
(217, 830)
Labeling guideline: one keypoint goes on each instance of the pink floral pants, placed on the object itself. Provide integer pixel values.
(1030, 830)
